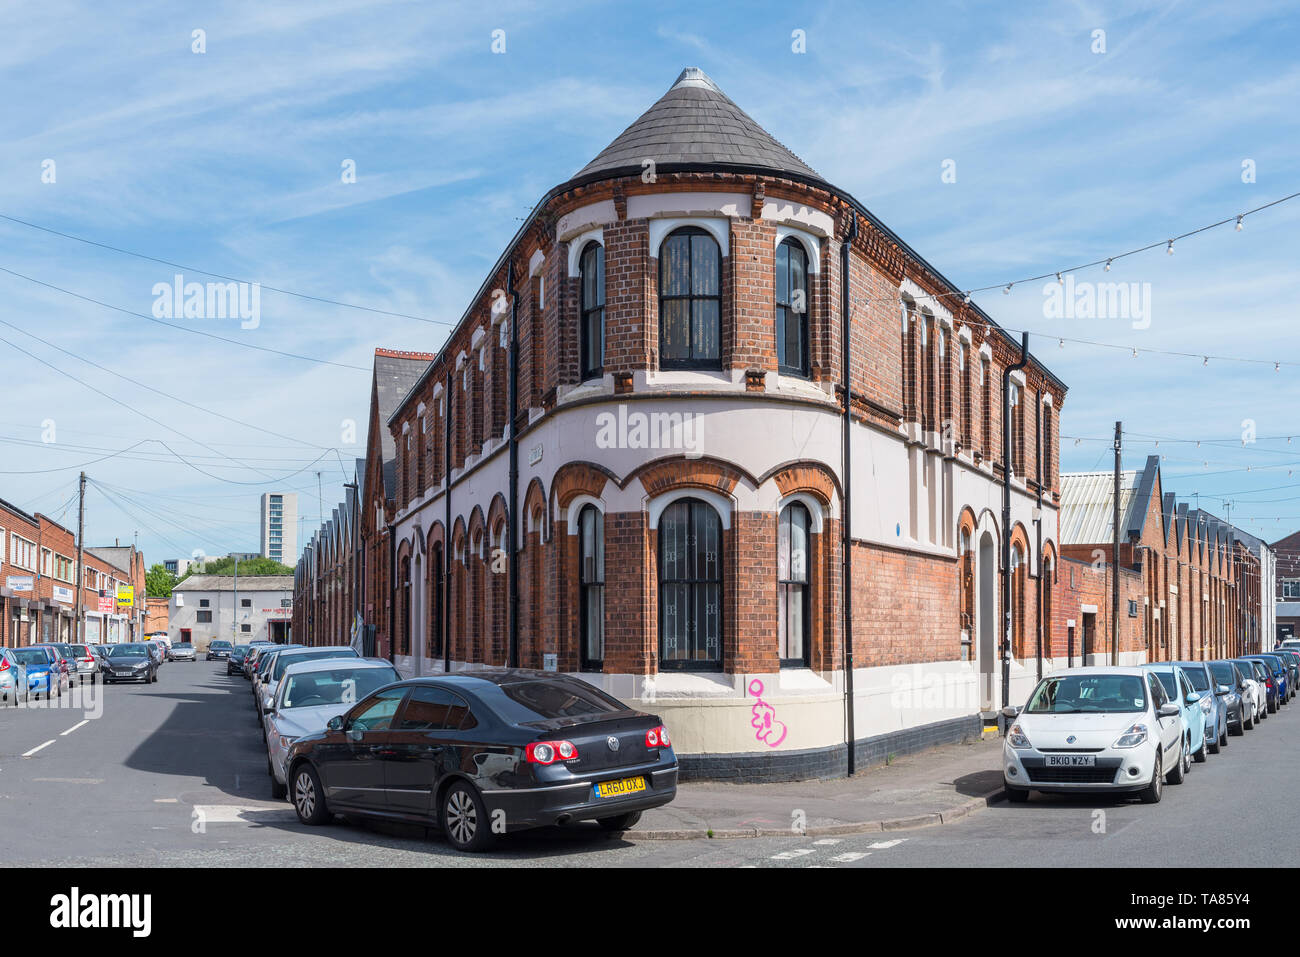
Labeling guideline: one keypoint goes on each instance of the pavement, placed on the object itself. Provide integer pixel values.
(936, 786)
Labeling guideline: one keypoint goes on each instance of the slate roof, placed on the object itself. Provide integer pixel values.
(1087, 505)
(696, 124)
(227, 583)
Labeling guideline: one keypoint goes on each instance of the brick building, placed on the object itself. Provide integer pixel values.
(676, 462)
(1190, 582)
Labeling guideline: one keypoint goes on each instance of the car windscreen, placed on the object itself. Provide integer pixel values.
(81, 651)
(1224, 674)
(133, 650)
(284, 661)
(560, 697)
(344, 686)
(220, 644)
(31, 656)
(1078, 694)
(1198, 679)
(185, 646)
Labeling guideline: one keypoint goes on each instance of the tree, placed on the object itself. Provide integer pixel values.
(159, 582)
(248, 567)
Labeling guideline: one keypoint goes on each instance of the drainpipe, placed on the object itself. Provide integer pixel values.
(846, 494)
(392, 592)
(1006, 516)
(512, 510)
(446, 525)
(1038, 531)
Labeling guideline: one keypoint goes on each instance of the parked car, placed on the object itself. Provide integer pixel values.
(235, 663)
(219, 650)
(1280, 676)
(292, 656)
(86, 663)
(156, 652)
(182, 651)
(45, 674)
(1230, 685)
(13, 678)
(255, 650)
(1292, 660)
(132, 661)
(264, 662)
(64, 664)
(1096, 729)
(1180, 691)
(1268, 687)
(1212, 705)
(454, 750)
(309, 694)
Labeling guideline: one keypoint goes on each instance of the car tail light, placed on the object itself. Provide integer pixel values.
(658, 738)
(4, 664)
(548, 752)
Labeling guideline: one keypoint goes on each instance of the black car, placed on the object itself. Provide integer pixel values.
(1227, 675)
(235, 663)
(219, 650)
(132, 661)
(479, 753)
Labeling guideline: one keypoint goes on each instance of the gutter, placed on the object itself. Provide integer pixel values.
(1006, 516)
(846, 492)
(446, 527)
(1038, 529)
(512, 506)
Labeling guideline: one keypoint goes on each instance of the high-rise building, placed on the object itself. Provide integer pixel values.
(280, 526)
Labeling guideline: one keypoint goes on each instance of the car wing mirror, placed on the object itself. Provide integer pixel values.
(1168, 710)
(1012, 710)
(335, 723)
(1223, 689)
(1193, 697)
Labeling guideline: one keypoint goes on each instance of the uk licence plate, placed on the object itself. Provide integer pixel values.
(1071, 761)
(609, 789)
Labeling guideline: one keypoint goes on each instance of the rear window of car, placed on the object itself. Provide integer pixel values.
(561, 697)
(345, 686)
(80, 650)
(285, 660)
(1077, 694)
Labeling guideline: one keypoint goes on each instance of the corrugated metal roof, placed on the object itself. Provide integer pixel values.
(1087, 505)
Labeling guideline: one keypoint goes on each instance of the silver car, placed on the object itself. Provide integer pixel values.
(87, 663)
(183, 651)
(271, 677)
(308, 695)
(13, 678)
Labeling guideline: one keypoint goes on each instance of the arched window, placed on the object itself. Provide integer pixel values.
(793, 604)
(591, 588)
(1017, 602)
(966, 572)
(436, 622)
(690, 586)
(405, 647)
(592, 290)
(690, 303)
(792, 308)
(1049, 567)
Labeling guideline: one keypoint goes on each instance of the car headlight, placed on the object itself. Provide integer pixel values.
(141, 665)
(1016, 738)
(286, 740)
(1132, 737)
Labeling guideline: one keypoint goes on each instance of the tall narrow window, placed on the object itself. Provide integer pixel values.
(986, 409)
(591, 585)
(964, 372)
(404, 647)
(592, 282)
(436, 606)
(947, 428)
(909, 363)
(1017, 602)
(793, 602)
(1047, 443)
(690, 302)
(690, 586)
(966, 574)
(1048, 573)
(792, 308)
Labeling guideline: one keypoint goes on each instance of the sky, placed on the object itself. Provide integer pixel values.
(1001, 142)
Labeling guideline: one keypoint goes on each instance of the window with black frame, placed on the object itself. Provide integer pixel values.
(690, 586)
(792, 308)
(591, 587)
(591, 271)
(690, 301)
(792, 585)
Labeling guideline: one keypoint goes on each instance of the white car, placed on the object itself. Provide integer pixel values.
(309, 694)
(283, 659)
(1254, 705)
(1087, 730)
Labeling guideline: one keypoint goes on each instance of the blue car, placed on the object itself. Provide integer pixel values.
(1280, 674)
(44, 670)
(1264, 675)
(1179, 688)
(1213, 705)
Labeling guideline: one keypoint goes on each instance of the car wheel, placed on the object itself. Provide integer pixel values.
(1201, 754)
(464, 818)
(1215, 743)
(1179, 773)
(155, 677)
(309, 796)
(1248, 723)
(620, 822)
(1151, 794)
(278, 791)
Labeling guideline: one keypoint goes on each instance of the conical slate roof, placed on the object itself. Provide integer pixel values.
(696, 124)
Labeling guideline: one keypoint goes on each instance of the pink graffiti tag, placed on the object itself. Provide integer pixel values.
(765, 718)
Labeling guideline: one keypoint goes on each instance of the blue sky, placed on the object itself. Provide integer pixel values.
(230, 160)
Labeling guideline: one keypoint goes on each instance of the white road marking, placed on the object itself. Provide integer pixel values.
(790, 855)
(235, 813)
(848, 857)
(881, 845)
(28, 754)
(75, 727)
(166, 800)
(826, 841)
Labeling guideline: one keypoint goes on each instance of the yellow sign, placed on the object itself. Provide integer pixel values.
(125, 596)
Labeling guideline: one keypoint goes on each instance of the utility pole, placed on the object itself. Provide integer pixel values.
(234, 613)
(78, 631)
(1114, 551)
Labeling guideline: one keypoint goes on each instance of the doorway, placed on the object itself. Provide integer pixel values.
(987, 572)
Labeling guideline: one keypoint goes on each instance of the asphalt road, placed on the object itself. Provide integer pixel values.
(174, 774)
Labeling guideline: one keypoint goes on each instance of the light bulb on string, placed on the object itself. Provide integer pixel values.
(1239, 218)
(1135, 352)
(1059, 279)
(1107, 265)
(1007, 290)
(966, 299)
(1061, 343)
(1205, 360)
(1170, 249)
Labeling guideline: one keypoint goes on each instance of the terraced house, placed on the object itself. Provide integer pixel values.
(697, 371)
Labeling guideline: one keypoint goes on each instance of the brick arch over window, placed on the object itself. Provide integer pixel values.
(678, 471)
(579, 478)
(811, 477)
